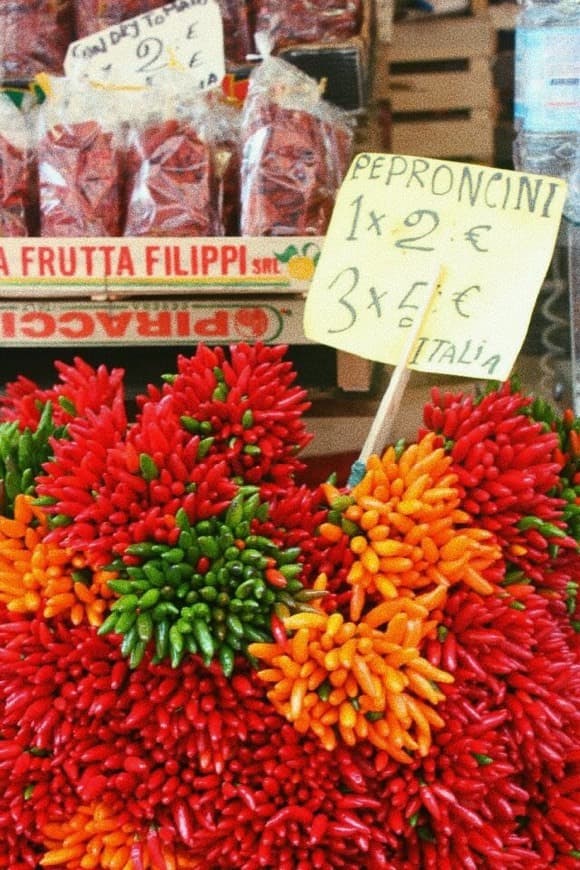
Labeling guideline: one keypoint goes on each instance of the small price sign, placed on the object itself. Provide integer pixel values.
(186, 36)
(455, 252)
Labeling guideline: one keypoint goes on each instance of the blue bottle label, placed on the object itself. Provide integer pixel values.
(547, 68)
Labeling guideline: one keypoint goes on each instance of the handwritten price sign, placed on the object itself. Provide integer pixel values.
(186, 35)
(488, 234)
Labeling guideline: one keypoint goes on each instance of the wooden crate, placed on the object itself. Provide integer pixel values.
(440, 87)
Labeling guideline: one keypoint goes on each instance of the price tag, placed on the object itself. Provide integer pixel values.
(489, 235)
(186, 36)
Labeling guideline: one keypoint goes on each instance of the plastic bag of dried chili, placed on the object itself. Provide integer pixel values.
(305, 21)
(34, 37)
(79, 158)
(237, 36)
(171, 182)
(295, 151)
(14, 169)
(93, 15)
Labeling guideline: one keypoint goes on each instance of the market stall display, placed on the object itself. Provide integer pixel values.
(205, 659)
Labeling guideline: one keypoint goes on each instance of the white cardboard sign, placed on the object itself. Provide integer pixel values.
(185, 36)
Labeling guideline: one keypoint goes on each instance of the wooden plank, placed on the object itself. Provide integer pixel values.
(384, 14)
(470, 88)
(372, 131)
(471, 137)
(379, 89)
(438, 39)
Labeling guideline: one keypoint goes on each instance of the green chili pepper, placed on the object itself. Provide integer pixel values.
(175, 644)
(190, 423)
(482, 759)
(145, 627)
(126, 621)
(251, 506)
(235, 625)
(204, 639)
(289, 555)
(126, 602)
(349, 528)
(209, 547)
(109, 624)
(148, 467)
(137, 653)
(252, 450)
(341, 502)
(154, 574)
(254, 635)
(121, 587)
(204, 446)
(226, 657)
(164, 609)
(291, 571)
(149, 599)
(162, 639)
(129, 641)
(209, 593)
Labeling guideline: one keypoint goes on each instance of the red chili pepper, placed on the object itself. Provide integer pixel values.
(137, 855)
(139, 712)
(155, 850)
(183, 822)
(81, 196)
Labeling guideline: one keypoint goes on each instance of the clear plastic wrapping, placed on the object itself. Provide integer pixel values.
(14, 170)
(226, 130)
(79, 165)
(93, 15)
(295, 151)
(171, 180)
(237, 37)
(34, 37)
(305, 21)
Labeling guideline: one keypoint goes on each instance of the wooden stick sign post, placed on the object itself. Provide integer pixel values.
(387, 411)
(432, 265)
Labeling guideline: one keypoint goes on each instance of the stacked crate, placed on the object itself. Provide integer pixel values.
(439, 86)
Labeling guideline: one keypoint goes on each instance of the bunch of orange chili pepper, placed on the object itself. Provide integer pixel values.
(37, 575)
(365, 679)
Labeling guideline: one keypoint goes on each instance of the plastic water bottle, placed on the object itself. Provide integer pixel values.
(547, 93)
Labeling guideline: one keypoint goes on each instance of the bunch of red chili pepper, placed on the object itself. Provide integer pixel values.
(206, 662)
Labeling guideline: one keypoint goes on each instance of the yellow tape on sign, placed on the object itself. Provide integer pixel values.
(397, 220)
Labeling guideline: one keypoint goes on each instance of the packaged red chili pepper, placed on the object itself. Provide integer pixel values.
(93, 15)
(34, 37)
(14, 169)
(79, 164)
(172, 186)
(237, 37)
(295, 150)
(305, 21)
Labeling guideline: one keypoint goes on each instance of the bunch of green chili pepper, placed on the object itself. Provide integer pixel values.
(212, 593)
